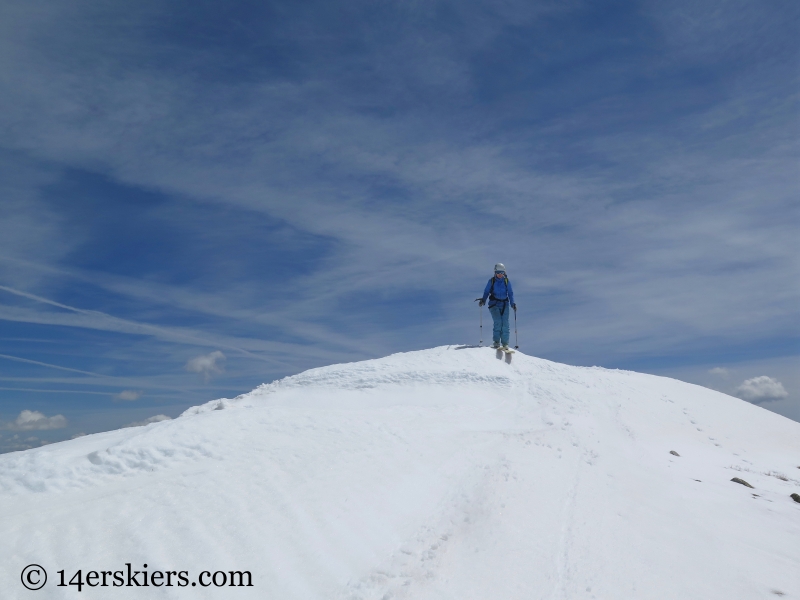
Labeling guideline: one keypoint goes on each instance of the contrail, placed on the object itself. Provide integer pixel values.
(106, 322)
(44, 364)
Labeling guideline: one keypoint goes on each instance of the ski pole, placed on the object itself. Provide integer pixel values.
(480, 310)
(516, 336)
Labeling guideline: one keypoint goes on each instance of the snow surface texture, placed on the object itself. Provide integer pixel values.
(449, 473)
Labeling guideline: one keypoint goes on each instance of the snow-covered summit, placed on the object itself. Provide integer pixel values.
(444, 473)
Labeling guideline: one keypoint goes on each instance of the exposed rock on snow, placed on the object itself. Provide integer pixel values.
(674, 453)
(741, 481)
(795, 497)
(432, 474)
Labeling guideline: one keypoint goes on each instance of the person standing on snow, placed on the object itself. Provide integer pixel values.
(501, 301)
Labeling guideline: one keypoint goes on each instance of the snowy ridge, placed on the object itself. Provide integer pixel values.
(444, 473)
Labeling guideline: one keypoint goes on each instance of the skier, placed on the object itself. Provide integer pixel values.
(500, 295)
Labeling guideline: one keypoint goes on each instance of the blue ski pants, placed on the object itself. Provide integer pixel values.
(500, 318)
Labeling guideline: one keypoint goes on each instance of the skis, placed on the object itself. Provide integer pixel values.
(501, 349)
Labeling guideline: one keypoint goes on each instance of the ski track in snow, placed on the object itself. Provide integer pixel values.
(445, 473)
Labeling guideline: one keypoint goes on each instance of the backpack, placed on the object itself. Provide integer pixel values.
(491, 291)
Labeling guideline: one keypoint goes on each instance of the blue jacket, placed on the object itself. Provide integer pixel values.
(501, 291)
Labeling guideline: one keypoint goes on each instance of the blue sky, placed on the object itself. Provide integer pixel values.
(198, 197)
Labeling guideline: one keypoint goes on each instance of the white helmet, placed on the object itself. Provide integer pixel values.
(499, 267)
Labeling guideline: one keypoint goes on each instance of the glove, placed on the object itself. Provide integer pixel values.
(481, 301)
(514, 306)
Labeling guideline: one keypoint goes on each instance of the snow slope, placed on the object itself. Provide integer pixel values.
(447, 473)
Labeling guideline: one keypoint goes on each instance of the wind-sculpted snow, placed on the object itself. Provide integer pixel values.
(357, 379)
(371, 374)
(447, 473)
(415, 370)
(92, 460)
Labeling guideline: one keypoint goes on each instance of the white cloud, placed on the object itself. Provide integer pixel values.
(207, 364)
(720, 371)
(32, 420)
(761, 389)
(128, 395)
(148, 420)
